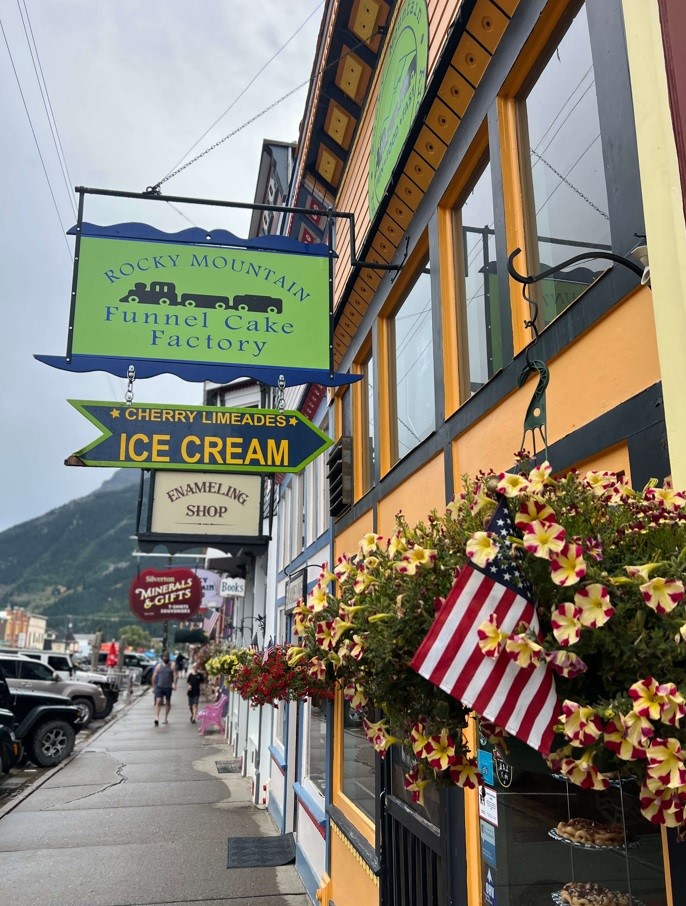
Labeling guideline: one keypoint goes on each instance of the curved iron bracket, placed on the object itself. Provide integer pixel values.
(535, 418)
(585, 256)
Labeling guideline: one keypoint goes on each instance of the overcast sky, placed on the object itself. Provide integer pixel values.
(133, 84)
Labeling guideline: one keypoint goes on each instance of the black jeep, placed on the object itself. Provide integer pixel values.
(10, 747)
(44, 723)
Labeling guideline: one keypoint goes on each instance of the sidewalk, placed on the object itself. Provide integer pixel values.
(140, 816)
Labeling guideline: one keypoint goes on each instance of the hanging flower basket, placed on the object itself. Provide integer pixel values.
(604, 566)
(266, 677)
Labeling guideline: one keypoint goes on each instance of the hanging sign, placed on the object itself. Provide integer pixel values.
(171, 594)
(198, 438)
(232, 588)
(206, 504)
(195, 302)
(403, 81)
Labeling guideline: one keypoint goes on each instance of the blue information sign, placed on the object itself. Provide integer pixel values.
(484, 761)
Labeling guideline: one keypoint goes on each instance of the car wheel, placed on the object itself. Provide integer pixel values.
(86, 710)
(106, 711)
(50, 743)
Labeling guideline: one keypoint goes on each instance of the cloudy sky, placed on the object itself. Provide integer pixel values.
(132, 84)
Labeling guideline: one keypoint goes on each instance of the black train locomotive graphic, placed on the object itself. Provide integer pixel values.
(165, 294)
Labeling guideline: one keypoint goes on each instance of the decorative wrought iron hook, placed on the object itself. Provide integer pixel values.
(535, 418)
(585, 256)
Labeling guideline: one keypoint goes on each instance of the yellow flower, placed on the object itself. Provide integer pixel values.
(532, 510)
(543, 538)
(666, 762)
(646, 698)
(539, 477)
(317, 598)
(491, 638)
(566, 624)
(668, 498)
(662, 595)
(643, 572)
(511, 484)
(397, 544)
(418, 738)
(482, 548)
(343, 567)
(294, 655)
(567, 567)
(524, 650)
(594, 603)
(370, 543)
(439, 750)
(465, 773)
(600, 482)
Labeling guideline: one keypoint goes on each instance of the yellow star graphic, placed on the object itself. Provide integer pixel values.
(293, 421)
(114, 413)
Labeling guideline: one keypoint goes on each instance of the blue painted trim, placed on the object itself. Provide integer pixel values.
(275, 812)
(277, 758)
(310, 805)
(320, 544)
(306, 872)
(198, 236)
(198, 371)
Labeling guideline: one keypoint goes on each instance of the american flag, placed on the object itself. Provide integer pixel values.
(211, 621)
(521, 700)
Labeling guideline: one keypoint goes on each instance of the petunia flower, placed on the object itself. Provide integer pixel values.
(511, 484)
(324, 635)
(355, 696)
(565, 663)
(419, 738)
(539, 477)
(637, 729)
(580, 724)
(672, 704)
(481, 501)
(642, 572)
(566, 624)
(600, 482)
(543, 538)
(662, 595)
(584, 773)
(669, 499)
(666, 762)
(594, 548)
(491, 638)
(415, 784)
(616, 739)
(362, 580)
(343, 567)
(594, 603)
(646, 698)
(316, 668)
(295, 654)
(439, 750)
(482, 548)
(524, 650)
(377, 733)
(317, 598)
(532, 510)
(348, 611)
(661, 806)
(415, 557)
(464, 773)
(370, 543)
(397, 544)
(567, 566)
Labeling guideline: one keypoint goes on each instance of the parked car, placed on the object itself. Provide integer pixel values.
(24, 673)
(10, 747)
(63, 663)
(45, 724)
(133, 659)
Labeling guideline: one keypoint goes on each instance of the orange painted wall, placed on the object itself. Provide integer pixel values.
(613, 361)
(347, 542)
(421, 493)
(352, 881)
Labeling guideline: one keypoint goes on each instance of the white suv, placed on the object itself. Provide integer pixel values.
(25, 673)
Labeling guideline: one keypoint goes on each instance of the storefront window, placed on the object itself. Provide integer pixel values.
(359, 770)
(368, 419)
(412, 378)
(315, 765)
(542, 836)
(479, 318)
(563, 170)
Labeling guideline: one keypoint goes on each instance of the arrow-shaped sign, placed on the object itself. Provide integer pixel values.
(198, 438)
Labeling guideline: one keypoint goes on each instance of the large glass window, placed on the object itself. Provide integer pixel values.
(479, 317)
(563, 170)
(315, 764)
(359, 763)
(412, 376)
(367, 420)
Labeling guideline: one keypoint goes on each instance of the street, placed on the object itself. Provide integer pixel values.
(140, 815)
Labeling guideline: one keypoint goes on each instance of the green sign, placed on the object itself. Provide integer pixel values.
(188, 302)
(198, 438)
(403, 82)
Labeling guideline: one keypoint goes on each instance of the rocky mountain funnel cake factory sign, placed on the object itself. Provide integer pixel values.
(171, 594)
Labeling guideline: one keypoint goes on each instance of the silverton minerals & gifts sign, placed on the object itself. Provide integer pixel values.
(170, 594)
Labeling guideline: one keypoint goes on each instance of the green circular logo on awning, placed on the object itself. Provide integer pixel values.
(403, 82)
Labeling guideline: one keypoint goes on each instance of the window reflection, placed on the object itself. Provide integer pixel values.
(316, 747)
(412, 358)
(368, 419)
(564, 174)
(480, 317)
(359, 767)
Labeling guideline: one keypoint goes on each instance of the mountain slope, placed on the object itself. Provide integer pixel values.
(75, 561)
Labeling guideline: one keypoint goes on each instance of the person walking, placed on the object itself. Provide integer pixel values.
(194, 681)
(180, 662)
(163, 681)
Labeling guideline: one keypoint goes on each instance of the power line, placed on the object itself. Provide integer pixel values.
(35, 138)
(50, 115)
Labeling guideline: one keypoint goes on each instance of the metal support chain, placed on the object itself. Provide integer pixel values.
(131, 375)
(280, 396)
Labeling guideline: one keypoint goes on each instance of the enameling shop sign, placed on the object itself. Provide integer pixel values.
(206, 504)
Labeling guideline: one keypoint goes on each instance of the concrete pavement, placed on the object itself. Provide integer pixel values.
(140, 816)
